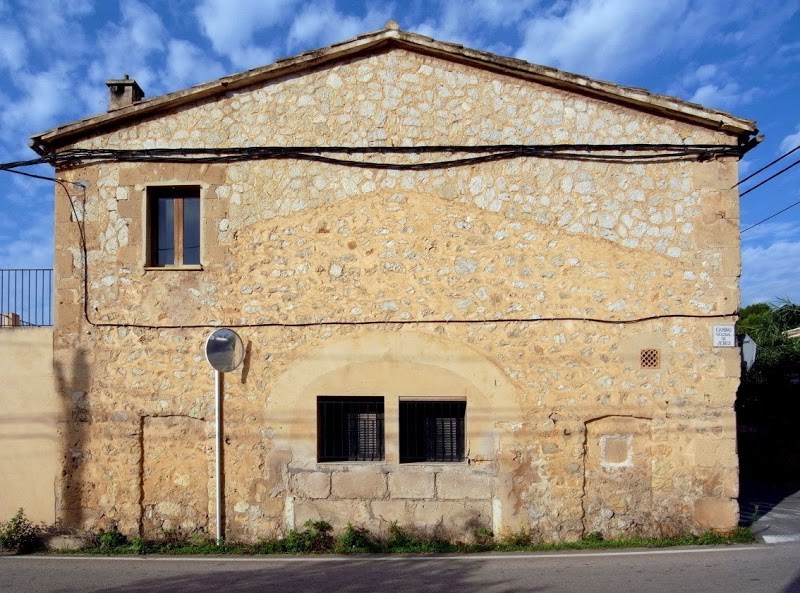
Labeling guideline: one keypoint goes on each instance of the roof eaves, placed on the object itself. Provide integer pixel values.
(45, 142)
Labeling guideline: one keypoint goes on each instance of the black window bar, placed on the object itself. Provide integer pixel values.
(432, 431)
(350, 428)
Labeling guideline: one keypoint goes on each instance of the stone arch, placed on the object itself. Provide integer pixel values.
(617, 489)
(395, 365)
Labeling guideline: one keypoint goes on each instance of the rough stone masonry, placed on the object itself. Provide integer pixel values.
(527, 287)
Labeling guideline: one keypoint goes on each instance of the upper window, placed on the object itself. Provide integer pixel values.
(174, 225)
(349, 428)
(432, 430)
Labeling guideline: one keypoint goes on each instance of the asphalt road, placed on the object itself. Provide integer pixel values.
(760, 568)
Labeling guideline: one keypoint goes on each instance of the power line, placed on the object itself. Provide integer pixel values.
(770, 178)
(323, 323)
(45, 178)
(338, 155)
(771, 216)
(780, 158)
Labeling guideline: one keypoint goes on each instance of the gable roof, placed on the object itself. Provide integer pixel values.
(46, 142)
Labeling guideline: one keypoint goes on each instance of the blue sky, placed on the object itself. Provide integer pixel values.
(740, 56)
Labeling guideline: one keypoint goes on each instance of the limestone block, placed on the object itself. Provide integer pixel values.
(716, 513)
(459, 520)
(131, 208)
(358, 485)
(731, 259)
(386, 512)
(466, 485)
(706, 452)
(64, 542)
(336, 512)
(714, 175)
(411, 484)
(311, 484)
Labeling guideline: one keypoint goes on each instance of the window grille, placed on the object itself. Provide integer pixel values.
(349, 428)
(650, 358)
(432, 431)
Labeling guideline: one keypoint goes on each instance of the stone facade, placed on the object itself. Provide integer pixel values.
(527, 287)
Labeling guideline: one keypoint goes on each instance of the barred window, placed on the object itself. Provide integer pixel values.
(349, 428)
(432, 430)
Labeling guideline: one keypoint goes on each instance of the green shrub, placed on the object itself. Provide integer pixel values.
(398, 538)
(18, 534)
(316, 537)
(522, 538)
(484, 536)
(403, 541)
(355, 540)
(139, 545)
(111, 539)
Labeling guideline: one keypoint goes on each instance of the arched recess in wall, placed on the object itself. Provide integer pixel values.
(393, 365)
(618, 485)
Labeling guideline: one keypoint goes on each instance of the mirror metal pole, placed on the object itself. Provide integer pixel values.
(218, 460)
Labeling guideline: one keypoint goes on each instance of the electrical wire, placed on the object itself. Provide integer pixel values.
(767, 166)
(770, 217)
(479, 154)
(486, 153)
(45, 178)
(770, 178)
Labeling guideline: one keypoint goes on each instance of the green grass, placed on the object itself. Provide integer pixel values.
(316, 538)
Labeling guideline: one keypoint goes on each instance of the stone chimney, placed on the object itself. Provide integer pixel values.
(124, 92)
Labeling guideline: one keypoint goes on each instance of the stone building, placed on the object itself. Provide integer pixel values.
(474, 293)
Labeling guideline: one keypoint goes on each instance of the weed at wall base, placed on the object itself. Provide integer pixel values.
(316, 537)
(18, 534)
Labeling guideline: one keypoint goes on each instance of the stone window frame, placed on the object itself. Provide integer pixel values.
(421, 439)
(150, 193)
(350, 428)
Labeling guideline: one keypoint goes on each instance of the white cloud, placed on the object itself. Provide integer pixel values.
(129, 46)
(188, 65)
(712, 86)
(231, 24)
(29, 245)
(55, 26)
(706, 72)
(142, 27)
(12, 49)
(722, 96)
(603, 38)
(44, 98)
(770, 272)
(472, 22)
(312, 27)
(791, 141)
(789, 52)
(772, 231)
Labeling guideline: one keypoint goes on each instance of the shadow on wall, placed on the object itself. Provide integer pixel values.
(72, 386)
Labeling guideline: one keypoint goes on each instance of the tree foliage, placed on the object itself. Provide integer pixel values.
(778, 356)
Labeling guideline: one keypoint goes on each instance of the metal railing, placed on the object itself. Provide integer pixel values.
(26, 297)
